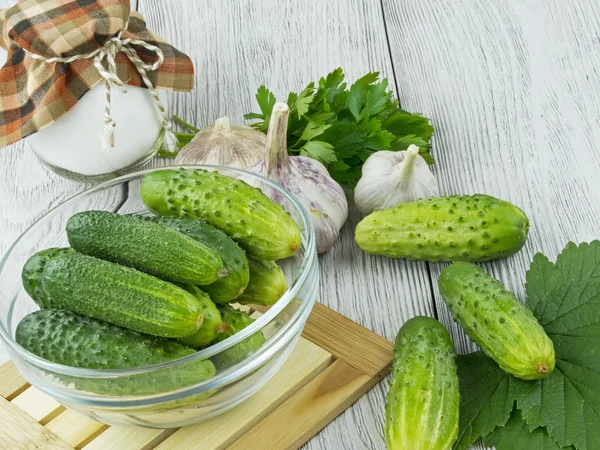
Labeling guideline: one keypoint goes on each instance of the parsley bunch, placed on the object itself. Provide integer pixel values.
(561, 411)
(342, 127)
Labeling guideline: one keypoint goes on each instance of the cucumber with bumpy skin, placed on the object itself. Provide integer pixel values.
(258, 224)
(67, 338)
(267, 283)
(212, 320)
(458, 228)
(31, 275)
(422, 407)
(121, 296)
(234, 258)
(144, 245)
(497, 321)
(235, 321)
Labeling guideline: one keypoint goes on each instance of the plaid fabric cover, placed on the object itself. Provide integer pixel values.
(34, 93)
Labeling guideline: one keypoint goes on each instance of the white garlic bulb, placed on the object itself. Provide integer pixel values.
(306, 179)
(224, 145)
(390, 178)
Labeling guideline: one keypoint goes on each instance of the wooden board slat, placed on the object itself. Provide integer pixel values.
(75, 429)
(11, 381)
(357, 346)
(19, 431)
(307, 361)
(309, 410)
(38, 405)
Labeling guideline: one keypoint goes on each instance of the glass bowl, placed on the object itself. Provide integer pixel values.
(157, 396)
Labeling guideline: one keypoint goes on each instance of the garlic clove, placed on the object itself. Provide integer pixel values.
(224, 145)
(389, 178)
(306, 179)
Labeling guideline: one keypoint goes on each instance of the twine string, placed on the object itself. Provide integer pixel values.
(104, 59)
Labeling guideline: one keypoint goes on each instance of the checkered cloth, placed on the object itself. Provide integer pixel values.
(34, 93)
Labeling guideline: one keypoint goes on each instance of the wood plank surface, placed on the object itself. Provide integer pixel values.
(19, 431)
(12, 381)
(312, 408)
(307, 361)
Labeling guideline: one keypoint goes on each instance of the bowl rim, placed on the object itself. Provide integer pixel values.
(288, 296)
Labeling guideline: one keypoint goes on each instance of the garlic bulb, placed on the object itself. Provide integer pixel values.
(389, 178)
(306, 179)
(224, 145)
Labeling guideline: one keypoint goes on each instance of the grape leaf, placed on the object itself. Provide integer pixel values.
(565, 298)
(488, 395)
(516, 436)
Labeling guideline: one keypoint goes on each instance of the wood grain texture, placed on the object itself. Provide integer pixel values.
(12, 381)
(75, 429)
(316, 404)
(19, 431)
(307, 360)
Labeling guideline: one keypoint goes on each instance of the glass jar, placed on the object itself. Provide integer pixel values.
(72, 145)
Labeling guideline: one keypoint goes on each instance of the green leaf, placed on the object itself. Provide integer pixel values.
(401, 123)
(565, 298)
(312, 130)
(516, 436)
(488, 395)
(321, 151)
(266, 100)
(354, 102)
(304, 100)
(354, 121)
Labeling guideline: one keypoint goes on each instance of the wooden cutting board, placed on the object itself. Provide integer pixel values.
(335, 362)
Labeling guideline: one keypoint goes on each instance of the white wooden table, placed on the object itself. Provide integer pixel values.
(512, 88)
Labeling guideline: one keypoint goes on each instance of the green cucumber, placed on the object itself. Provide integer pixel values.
(212, 320)
(33, 269)
(458, 228)
(422, 407)
(235, 321)
(267, 283)
(234, 258)
(121, 296)
(258, 224)
(497, 321)
(67, 338)
(144, 245)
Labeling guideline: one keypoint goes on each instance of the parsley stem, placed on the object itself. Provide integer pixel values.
(184, 124)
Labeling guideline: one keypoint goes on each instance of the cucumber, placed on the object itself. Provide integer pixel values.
(495, 320)
(422, 408)
(212, 320)
(121, 296)
(458, 228)
(234, 258)
(67, 338)
(144, 245)
(31, 274)
(258, 224)
(235, 321)
(267, 283)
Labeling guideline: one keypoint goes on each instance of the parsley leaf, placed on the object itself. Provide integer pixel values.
(516, 436)
(350, 123)
(565, 298)
(488, 395)
(321, 151)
